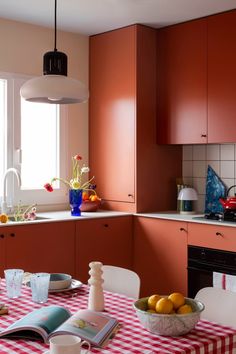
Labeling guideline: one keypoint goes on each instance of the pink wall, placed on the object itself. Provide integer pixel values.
(22, 49)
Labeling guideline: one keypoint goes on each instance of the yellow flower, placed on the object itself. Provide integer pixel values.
(75, 184)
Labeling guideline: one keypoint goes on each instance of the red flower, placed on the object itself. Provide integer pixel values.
(78, 157)
(48, 187)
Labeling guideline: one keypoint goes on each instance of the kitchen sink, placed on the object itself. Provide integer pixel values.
(12, 218)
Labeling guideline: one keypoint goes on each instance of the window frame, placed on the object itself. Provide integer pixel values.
(13, 148)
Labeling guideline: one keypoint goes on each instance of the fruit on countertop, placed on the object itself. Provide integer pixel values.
(85, 196)
(175, 303)
(3, 218)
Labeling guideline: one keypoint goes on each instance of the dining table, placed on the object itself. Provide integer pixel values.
(207, 337)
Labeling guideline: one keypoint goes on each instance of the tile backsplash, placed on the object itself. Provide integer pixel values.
(196, 158)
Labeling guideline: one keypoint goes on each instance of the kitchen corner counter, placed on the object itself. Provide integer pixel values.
(194, 218)
(57, 216)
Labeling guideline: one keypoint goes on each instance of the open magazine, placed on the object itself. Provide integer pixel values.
(46, 322)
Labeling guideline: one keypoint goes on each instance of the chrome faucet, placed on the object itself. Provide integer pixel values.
(4, 196)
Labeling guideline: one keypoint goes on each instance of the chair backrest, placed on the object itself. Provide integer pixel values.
(220, 305)
(121, 281)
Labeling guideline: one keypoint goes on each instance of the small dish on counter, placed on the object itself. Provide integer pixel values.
(88, 205)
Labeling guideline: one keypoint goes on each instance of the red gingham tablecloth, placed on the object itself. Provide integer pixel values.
(207, 337)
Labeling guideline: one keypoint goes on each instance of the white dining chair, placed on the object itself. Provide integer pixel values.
(121, 281)
(220, 305)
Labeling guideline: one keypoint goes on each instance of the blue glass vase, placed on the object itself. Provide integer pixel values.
(75, 198)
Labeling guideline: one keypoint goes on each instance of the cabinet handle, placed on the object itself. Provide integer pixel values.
(2, 236)
(105, 225)
(12, 235)
(130, 195)
(219, 234)
(203, 135)
(183, 229)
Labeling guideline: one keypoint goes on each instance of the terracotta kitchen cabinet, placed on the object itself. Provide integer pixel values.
(160, 255)
(108, 240)
(222, 77)
(123, 154)
(212, 236)
(41, 247)
(182, 83)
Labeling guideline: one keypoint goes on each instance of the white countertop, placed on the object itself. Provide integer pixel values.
(53, 216)
(195, 218)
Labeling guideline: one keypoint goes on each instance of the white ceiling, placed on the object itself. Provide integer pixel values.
(95, 16)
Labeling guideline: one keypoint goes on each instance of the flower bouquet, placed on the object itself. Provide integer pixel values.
(77, 186)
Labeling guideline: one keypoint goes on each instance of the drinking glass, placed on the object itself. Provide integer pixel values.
(39, 283)
(14, 279)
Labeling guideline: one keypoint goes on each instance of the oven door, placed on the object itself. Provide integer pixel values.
(202, 262)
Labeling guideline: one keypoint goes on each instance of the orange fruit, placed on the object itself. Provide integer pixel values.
(178, 299)
(3, 218)
(164, 306)
(93, 198)
(152, 300)
(85, 196)
(184, 309)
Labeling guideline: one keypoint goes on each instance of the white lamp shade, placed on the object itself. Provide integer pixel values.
(187, 194)
(57, 89)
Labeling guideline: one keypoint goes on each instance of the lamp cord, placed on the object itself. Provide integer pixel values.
(55, 27)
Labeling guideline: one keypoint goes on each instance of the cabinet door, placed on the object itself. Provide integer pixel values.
(160, 255)
(182, 83)
(212, 236)
(112, 113)
(222, 77)
(42, 247)
(108, 240)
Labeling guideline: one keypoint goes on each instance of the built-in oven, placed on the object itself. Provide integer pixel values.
(202, 262)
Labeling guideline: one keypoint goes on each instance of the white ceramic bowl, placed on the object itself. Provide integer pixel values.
(168, 325)
(59, 281)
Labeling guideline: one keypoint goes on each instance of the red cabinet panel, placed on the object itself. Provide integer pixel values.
(182, 83)
(160, 255)
(108, 240)
(112, 113)
(122, 123)
(212, 236)
(222, 78)
(40, 247)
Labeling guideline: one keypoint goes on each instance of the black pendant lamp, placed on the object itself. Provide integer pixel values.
(54, 86)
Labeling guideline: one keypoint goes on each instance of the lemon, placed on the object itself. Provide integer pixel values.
(178, 299)
(164, 306)
(3, 218)
(152, 300)
(184, 309)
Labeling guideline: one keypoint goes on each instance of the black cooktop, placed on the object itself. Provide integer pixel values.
(228, 215)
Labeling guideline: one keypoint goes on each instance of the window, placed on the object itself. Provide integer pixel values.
(32, 139)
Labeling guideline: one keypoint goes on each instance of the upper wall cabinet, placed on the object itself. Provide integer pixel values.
(123, 154)
(222, 78)
(112, 113)
(182, 83)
